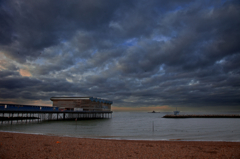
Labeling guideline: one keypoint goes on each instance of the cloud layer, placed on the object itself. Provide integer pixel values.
(136, 53)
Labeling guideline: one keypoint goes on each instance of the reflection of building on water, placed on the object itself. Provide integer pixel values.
(81, 103)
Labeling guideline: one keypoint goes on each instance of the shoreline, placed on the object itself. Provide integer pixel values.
(102, 138)
(19, 145)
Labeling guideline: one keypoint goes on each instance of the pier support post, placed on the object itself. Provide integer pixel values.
(8, 117)
(12, 119)
(26, 117)
(3, 118)
(18, 118)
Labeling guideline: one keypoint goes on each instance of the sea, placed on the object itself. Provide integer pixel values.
(137, 126)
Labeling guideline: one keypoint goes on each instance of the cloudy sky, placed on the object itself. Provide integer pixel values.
(141, 54)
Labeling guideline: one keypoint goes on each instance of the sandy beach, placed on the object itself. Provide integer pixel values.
(16, 145)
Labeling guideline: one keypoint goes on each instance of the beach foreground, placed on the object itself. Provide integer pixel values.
(16, 145)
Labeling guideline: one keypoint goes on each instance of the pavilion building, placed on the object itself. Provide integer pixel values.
(81, 103)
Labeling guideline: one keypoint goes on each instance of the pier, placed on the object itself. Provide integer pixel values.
(10, 116)
(204, 116)
(64, 108)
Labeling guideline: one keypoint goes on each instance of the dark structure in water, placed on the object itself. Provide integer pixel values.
(203, 116)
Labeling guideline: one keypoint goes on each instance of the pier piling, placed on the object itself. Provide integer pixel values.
(31, 116)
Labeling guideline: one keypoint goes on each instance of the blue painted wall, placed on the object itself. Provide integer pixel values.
(26, 107)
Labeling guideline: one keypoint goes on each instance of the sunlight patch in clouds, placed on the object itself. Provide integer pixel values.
(25, 73)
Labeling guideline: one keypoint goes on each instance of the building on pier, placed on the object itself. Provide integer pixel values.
(81, 103)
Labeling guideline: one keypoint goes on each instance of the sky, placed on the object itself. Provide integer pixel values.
(140, 54)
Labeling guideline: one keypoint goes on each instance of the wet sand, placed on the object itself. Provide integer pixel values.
(16, 145)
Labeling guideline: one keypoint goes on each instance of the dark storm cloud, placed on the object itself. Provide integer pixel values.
(136, 53)
(36, 25)
(5, 27)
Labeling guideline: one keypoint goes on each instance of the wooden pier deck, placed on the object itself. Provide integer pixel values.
(204, 116)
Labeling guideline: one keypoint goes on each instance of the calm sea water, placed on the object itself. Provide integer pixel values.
(137, 126)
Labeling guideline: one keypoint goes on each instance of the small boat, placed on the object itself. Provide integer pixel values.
(153, 112)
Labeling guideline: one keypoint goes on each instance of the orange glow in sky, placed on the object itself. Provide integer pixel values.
(25, 73)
